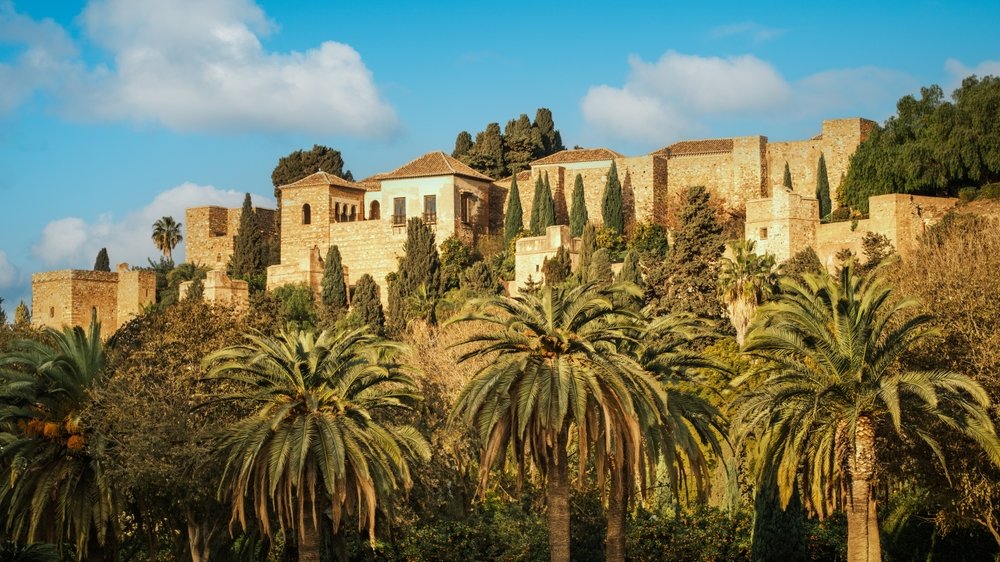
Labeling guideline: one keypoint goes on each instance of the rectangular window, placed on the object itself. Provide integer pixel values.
(399, 211)
(430, 208)
(763, 234)
(466, 207)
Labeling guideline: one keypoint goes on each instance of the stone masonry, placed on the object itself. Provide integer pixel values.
(211, 233)
(69, 297)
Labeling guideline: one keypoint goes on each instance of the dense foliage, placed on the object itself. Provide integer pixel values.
(931, 146)
(301, 163)
(504, 154)
(250, 252)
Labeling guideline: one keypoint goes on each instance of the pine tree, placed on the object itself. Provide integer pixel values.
(333, 288)
(486, 155)
(513, 221)
(559, 268)
(521, 143)
(302, 163)
(612, 207)
(22, 316)
(600, 267)
(690, 272)
(102, 263)
(588, 245)
(823, 188)
(463, 144)
(250, 255)
(787, 180)
(419, 268)
(366, 304)
(578, 211)
(551, 140)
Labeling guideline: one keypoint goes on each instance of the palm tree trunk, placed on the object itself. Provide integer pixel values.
(862, 523)
(614, 542)
(309, 539)
(557, 497)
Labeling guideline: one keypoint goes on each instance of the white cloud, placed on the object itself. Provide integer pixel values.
(958, 71)
(755, 31)
(48, 53)
(679, 94)
(8, 273)
(74, 242)
(199, 65)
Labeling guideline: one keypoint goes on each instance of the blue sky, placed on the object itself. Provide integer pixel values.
(116, 112)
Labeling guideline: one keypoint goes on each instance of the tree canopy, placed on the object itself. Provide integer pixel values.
(499, 154)
(301, 163)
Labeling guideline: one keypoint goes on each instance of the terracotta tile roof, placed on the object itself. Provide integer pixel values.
(696, 147)
(433, 164)
(323, 178)
(522, 176)
(372, 183)
(578, 155)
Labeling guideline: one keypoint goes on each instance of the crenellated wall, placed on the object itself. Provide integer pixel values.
(210, 233)
(69, 297)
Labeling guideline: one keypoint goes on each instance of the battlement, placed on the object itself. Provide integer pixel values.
(69, 297)
(210, 232)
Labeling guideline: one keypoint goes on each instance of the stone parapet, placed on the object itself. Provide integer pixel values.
(70, 297)
(532, 251)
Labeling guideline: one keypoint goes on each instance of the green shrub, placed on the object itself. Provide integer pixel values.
(989, 191)
(967, 194)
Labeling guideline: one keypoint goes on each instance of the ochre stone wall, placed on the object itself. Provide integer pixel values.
(787, 223)
(839, 140)
(68, 297)
(733, 177)
(219, 288)
(210, 233)
(532, 251)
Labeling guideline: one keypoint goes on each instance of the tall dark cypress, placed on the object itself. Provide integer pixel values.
(547, 216)
(578, 210)
(420, 266)
(588, 245)
(102, 263)
(537, 208)
(513, 221)
(366, 304)
(787, 180)
(463, 144)
(249, 258)
(334, 290)
(823, 188)
(612, 207)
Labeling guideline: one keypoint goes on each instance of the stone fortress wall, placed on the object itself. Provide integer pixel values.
(210, 233)
(69, 297)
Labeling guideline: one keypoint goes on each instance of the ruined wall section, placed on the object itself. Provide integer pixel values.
(68, 297)
(839, 140)
(136, 291)
(532, 252)
(210, 233)
(783, 224)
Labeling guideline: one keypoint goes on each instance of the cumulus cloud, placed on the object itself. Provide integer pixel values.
(678, 94)
(8, 273)
(74, 242)
(199, 65)
(47, 53)
(958, 71)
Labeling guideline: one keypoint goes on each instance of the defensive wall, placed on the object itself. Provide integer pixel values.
(210, 233)
(69, 297)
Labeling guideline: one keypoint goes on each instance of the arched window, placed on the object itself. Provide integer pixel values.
(373, 211)
(336, 212)
(306, 214)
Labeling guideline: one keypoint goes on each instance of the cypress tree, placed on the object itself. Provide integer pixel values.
(420, 266)
(823, 188)
(22, 316)
(787, 180)
(587, 247)
(547, 217)
(578, 210)
(333, 289)
(543, 207)
(630, 269)
(600, 267)
(612, 208)
(551, 140)
(102, 263)
(367, 305)
(196, 290)
(3, 314)
(557, 269)
(249, 259)
(513, 221)
(778, 534)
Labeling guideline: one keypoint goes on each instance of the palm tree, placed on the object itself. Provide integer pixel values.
(746, 280)
(555, 371)
(679, 429)
(53, 484)
(831, 347)
(316, 441)
(166, 236)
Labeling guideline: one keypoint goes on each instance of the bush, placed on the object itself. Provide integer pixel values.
(704, 533)
(989, 191)
(967, 194)
(839, 214)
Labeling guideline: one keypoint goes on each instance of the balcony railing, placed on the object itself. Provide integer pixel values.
(398, 220)
(430, 218)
